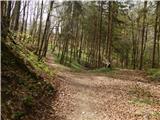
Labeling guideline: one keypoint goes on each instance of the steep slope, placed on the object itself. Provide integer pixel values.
(25, 92)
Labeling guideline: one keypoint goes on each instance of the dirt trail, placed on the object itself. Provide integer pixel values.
(90, 96)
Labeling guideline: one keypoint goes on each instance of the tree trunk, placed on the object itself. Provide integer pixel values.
(109, 39)
(155, 37)
(44, 42)
(100, 34)
(40, 28)
(80, 49)
(134, 48)
(143, 32)
(23, 21)
(25, 27)
(8, 14)
(18, 6)
(4, 24)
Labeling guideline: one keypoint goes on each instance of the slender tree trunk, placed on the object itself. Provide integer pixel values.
(158, 38)
(40, 28)
(9, 14)
(35, 26)
(3, 8)
(137, 43)
(158, 45)
(134, 48)
(155, 37)
(110, 31)
(4, 24)
(100, 34)
(143, 32)
(33, 21)
(44, 42)
(18, 5)
(80, 49)
(146, 37)
(23, 21)
(26, 22)
(48, 30)
(13, 16)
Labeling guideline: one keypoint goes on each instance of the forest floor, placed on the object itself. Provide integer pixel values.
(125, 94)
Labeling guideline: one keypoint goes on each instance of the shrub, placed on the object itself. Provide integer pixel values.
(103, 70)
(18, 115)
(28, 101)
(154, 73)
(50, 88)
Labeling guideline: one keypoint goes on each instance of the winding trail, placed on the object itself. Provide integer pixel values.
(95, 96)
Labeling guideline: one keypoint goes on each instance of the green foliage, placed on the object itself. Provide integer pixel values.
(21, 82)
(6, 93)
(20, 90)
(50, 88)
(18, 115)
(57, 58)
(75, 66)
(142, 96)
(138, 92)
(28, 101)
(79, 67)
(27, 55)
(40, 66)
(103, 70)
(156, 114)
(28, 38)
(140, 101)
(154, 73)
(31, 87)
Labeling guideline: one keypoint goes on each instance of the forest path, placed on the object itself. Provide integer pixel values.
(95, 96)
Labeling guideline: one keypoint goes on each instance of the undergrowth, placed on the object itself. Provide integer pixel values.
(22, 94)
(77, 67)
(74, 65)
(154, 73)
(103, 70)
(27, 55)
(142, 96)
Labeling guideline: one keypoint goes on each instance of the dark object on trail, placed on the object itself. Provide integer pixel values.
(87, 65)
(108, 65)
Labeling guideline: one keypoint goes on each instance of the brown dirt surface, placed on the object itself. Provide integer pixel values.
(126, 94)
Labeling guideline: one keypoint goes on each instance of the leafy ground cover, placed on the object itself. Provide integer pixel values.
(23, 90)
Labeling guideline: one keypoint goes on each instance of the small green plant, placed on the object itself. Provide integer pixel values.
(31, 87)
(103, 70)
(156, 114)
(28, 101)
(18, 115)
(76, 66)
(39, 66)
(143, 101)
(46, 69)
(50, 88)
(7, 91)
(21, 82)
(140, 92)
(142, 96)
(154, 74)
